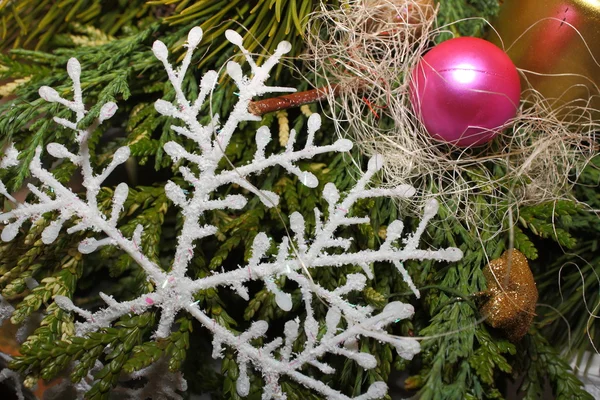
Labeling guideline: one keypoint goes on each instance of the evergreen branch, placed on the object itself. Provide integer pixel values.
(288, 23)
(545, 362)
(473, 16)
(37, 23)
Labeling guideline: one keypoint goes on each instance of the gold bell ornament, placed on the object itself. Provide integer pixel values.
(557, 44)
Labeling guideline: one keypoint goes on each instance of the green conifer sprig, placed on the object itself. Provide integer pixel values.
(467, 361)
(568, 278)
(489, 357)
(466, 18)
(34, 24)
(268, 22)
(174, 347)
(543, 362)
(576, 300)
(547, 220)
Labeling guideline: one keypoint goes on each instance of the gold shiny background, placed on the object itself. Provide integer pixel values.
(538, 38)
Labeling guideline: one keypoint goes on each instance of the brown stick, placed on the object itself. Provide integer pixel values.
(262, 107)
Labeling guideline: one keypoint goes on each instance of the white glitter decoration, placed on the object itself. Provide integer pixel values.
(174, 291)
(10, 157)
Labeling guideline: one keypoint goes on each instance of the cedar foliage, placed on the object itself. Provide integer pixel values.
(112, 40)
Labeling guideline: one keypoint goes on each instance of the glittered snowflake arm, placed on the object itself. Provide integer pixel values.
(10, 159)
(54, 196)
(212, 139)
(313, 254)
(174, 290)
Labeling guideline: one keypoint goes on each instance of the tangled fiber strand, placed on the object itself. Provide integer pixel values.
(368, 49)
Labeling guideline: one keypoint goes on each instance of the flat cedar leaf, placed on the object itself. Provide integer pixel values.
(287, 187)
(483, 365)
(142, 356)
(546, 362)
(144, 148)
(524, 244)
(489, 356)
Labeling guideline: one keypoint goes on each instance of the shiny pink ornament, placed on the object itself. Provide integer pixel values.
(463, 90)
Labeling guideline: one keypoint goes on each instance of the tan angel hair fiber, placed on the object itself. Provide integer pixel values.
(369, 48)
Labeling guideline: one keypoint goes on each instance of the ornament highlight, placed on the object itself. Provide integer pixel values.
(511, 295)
(464, 90)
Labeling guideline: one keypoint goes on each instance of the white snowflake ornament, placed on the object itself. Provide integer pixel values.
(174, 290)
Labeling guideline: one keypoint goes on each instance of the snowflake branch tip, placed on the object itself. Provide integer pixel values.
(74, 69)
(107, 111)
(49, 94)
(10, 158)
(234, 38)
(194, 37)
(160, 51)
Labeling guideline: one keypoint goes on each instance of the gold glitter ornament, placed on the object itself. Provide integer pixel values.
(511, 295)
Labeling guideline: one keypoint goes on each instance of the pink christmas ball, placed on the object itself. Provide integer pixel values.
(463, 90)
